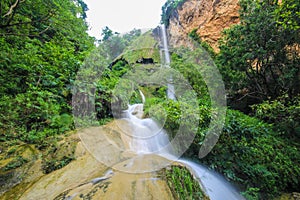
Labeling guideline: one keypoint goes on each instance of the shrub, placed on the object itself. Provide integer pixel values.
(283, 113)
(183, 184)
(32, 116)
(250, 153)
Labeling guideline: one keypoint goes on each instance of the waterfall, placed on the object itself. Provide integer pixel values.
(214, 184)
(147, 137)
(149, 143)
(165, 49)
(166, 61)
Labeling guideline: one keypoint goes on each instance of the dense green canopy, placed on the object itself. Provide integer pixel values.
(42, 45)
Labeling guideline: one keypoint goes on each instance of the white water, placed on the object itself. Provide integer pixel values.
(165, 49)
(107, 175)
(214, 184)
(146, 137)
(166, 61)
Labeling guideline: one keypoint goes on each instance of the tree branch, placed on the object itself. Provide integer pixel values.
(251, 96)
(12, 8)
(30, 22)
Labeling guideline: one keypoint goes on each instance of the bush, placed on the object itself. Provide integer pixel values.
(32, 116)
(250, 153)
(283, 113)
(183, 184)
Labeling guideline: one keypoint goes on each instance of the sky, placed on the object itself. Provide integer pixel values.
(122, 15)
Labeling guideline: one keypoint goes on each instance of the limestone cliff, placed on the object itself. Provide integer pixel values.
(209, 17)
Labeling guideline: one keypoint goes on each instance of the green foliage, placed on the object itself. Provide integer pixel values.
(183, 184)
(288, 14)
(62, 123)
(95, 87)
(190, 73)
(128, 51)
(42, 46)
(250, 153)
(169, 9)
(106, 33)
(106, 86)
(193, 34)
(29, 116)
(144, 46)
(258, 57)
(115, 44)
(53, 164)
(59, 154)
(15, 163)
(251, 194)
(174, 113)
(43, 20)
(283, 113)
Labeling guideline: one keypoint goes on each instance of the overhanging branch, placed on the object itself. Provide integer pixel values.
(12, 8)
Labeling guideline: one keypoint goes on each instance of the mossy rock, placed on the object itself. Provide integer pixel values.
(182, 183)
(59, 154)
(15, 162)
(145, 47)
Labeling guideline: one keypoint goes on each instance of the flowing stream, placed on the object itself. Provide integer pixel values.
(154, 138)
(215, 185)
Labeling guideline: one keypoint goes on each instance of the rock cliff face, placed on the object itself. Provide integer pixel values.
(209, 17)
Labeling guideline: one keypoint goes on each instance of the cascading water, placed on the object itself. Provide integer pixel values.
(166, 61)
(145, 135)
(148, 137)
(215, 185)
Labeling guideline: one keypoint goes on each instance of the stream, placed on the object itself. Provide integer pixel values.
(214, 184)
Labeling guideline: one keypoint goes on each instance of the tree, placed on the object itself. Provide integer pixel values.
(42, 45)
(168, 9)
(115, 42)
(106, 33)
(261, 52)
(288, 14)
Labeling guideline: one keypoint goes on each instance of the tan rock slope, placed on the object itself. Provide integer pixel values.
(209, 17)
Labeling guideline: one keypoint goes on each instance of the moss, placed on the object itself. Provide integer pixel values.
(59, 154)
(194, 35)
(182, 184)
(144, 46)
(15, 163)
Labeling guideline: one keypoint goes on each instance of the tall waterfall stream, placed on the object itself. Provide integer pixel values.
(214, 184)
